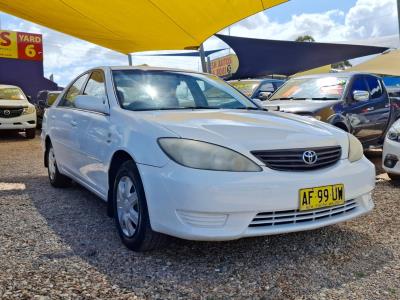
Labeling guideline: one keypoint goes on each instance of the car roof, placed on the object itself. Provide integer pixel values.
(338, 74)
(149, 68)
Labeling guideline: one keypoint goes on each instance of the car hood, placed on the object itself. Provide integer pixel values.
(245, 131)
(14, 103)
(300, 106)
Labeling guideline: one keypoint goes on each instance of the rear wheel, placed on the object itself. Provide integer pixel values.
(30, 133)
(131, 213)
(55, 177)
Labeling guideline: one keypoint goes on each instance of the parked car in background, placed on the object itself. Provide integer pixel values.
(16, 113)
(184, 154)
(44, 100)
(391, 152)
(257, 88)
(355, 102)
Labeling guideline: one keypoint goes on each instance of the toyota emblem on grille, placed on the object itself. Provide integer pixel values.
(310, 157)
(7, 112)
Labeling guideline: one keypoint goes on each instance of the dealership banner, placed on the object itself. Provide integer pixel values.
(21, 45)
(225, 66)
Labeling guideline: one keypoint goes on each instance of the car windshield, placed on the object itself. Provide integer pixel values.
(246, 87)
(11, 93)
(323, 88)
(163, 90)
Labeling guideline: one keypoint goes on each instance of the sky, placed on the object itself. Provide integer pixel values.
(370, 21)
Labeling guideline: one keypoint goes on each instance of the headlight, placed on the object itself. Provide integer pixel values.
(202, 155)
(393, 135)
(356, 150)
(29, 110)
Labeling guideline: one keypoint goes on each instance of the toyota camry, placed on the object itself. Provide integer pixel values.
(179, 153)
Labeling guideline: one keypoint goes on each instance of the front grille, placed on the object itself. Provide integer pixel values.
(292, 159)
(287, 217)
(10, 112)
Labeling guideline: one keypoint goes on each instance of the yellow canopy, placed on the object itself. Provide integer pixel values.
(137, 25)
(387, 63)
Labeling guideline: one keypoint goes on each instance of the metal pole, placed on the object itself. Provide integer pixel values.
(398, 14)
(208, 64)
(203, 59)
(130, 59)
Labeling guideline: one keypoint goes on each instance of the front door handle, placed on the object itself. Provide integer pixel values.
(369, 108)
(74, 123)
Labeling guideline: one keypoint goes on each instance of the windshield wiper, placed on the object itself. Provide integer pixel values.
(289, 98)
(324, 98)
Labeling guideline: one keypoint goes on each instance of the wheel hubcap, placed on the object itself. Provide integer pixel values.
(127, 206)
(52, 164)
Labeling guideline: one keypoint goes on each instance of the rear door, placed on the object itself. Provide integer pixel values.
(62, 126)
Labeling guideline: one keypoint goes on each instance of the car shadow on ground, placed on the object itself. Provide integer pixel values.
(283, 266)
(7, 136)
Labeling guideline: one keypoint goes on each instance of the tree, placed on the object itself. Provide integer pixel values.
(305, 38)
(342, 65)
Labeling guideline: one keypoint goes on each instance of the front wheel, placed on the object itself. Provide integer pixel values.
(130, 211)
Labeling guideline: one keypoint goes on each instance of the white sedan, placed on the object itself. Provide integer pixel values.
(391, 152)
(178, 153)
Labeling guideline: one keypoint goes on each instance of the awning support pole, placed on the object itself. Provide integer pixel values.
(203, 59)
(398, 14)
(130, 59)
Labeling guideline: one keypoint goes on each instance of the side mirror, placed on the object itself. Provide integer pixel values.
(29, 98)
(91, 103)
(360, 95)
(264, 95)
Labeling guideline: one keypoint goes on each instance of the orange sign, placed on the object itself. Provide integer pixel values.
(225, 66)
(21, 45)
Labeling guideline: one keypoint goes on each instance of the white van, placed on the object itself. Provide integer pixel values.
(16, 113)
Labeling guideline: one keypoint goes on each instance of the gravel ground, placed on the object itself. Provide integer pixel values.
(58, 243)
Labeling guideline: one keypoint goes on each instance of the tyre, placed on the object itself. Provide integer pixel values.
(394, 177)
(131, 213)
(30, 133)
(56, 179)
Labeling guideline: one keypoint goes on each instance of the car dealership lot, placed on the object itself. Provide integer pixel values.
(60, 243)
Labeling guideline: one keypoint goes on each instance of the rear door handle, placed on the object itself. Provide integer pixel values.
(74, 123)
(369, 108)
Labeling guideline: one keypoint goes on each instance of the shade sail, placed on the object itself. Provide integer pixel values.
(387, 63)
(258, 57)
(137, 25)
(186, 54)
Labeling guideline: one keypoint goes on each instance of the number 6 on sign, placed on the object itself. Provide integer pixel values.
(30, 50)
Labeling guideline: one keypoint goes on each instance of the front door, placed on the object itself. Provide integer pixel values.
(94, 138)
(361, 114)
(63, 125)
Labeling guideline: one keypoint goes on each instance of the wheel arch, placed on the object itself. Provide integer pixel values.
(342, 126)
(47, 144)
(117, 159)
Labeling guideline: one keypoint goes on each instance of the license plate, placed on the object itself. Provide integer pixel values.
(322, 196)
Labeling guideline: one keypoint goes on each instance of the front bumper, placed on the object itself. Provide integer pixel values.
(18, 123)
(211, 205)
(391, 149)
